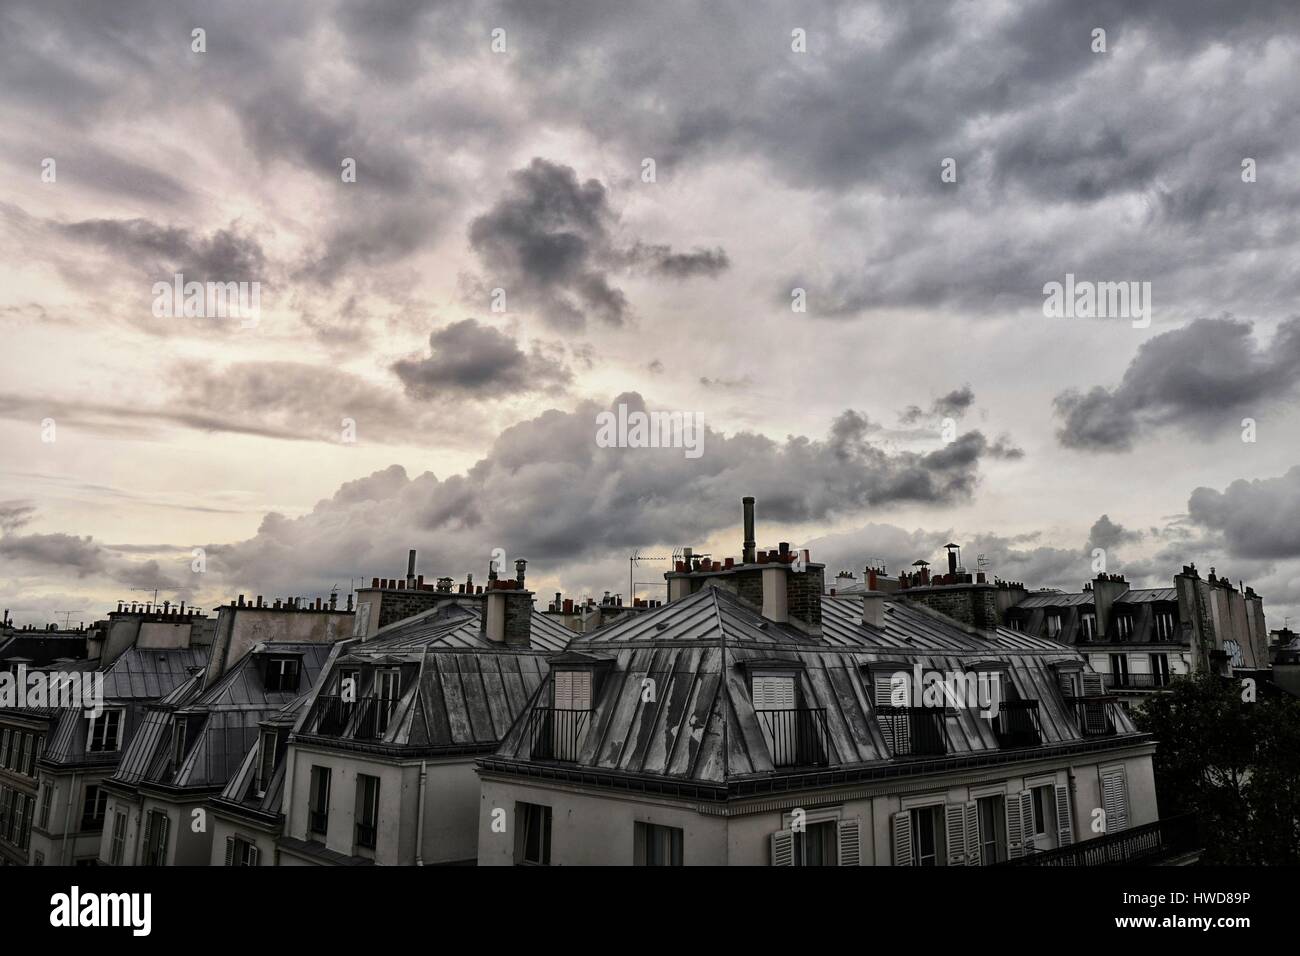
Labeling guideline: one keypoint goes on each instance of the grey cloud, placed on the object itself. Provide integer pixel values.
(472, 360)
(549, 242)
(14, 515)
(1257, 519)
(158, 251)
(1106, 534)
(1201, 378)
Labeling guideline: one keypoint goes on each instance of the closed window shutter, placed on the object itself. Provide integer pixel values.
(1027, 818)
(582, 690)
(254, 854)
(148, 832)
(783, 848)
(1064, 818)
(1015, 835)
(1092, 684)
(1066, 683)
(954, 826)
(773, 693)
(1114, 798)
(230, 851)
(563, 690)
(163, 823)
(903, 838)
(972, 834)
(850, 843)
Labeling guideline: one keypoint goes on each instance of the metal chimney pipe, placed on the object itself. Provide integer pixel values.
(410, 568)
(747, 556)
(520, 565)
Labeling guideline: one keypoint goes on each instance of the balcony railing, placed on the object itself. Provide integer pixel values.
(1114, 681)
(913, 731)
(1094, 716)
(365, 835)
(1147, 844)
(796, 736)
(367, 717)
(556, 733)
(1017, 724)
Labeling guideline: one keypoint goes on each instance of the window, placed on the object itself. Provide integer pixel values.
(318, 805)
(658, 845)
(4, 748)
(118, 843)
(38, 858)
(30, 750)
(387, 684)
(1088, 623)
(1119, 670)
(1017, 624)
(367, 828)
(155, 838)
(816, 844)
(265, 762)
(927, 836)
(47, 797)
(773, 693)
(1053, 625)
(282, 673)
(105, 732)
(572, 690)
(92, 812)
(241, 852)
(992, 829)
(1044, 807)
(1160, 670)
(533, 824)
(178, 743)
(1164, 625)
(1123, 627)
(349, 686)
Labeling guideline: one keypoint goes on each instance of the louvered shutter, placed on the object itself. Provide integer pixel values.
(163, 823)
(1092, 686)
(230, 851)
(954, 828)
(1114, 798)
(254, 854)
(895, 728)
(148, 832)
(582, 690)
(1064, 818)
(973, 848)
(1027, 819)
(563, 690)
(902, 822)
(783, 848)
(850, 843)
(1066, 683)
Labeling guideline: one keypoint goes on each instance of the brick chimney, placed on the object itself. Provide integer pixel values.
(507, 614)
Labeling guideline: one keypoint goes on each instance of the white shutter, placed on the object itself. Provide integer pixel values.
(1015, 834)
(896, 729)
(773, 693)
(954, 827)
(1064, 818)
(582, 690)
(563, 690)
(783, 848)
(1027, 819)
(850, 843)
(973, 848)
(254, 854)
(763, 693)
(1092, 686)
(1114, 798)
(903, 838)
(230, 851)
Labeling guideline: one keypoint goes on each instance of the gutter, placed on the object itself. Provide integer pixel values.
(419, 819)
(67, 813)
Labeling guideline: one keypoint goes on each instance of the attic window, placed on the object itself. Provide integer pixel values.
(265, 762)
(282, 673)
(572, 690)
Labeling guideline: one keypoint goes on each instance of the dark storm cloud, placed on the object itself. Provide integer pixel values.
(1106, 534)
(1202, 378)
(1257, 519)
(81, 556)
(547, 492)
(550, 244)
(472, 360)
(223, 256)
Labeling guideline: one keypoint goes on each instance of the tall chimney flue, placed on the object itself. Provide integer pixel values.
(747, 556)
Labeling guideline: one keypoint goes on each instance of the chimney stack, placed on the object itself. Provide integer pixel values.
(520, 565)
(873, 609)
(747, 555)
(410, 568)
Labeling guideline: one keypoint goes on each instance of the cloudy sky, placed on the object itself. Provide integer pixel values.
(559, 207)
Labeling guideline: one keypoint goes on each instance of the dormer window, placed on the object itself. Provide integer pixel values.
(1053, 625)
(572, 690)
(1164, 623)
(282, 673)
(105, 732)
(1123, 627)
(178, 742)
(1088, 625)
(795, 735)
(266, 755)
(388, 685)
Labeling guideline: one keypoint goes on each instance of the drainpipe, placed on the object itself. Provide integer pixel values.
(63, 851)
(419, 819)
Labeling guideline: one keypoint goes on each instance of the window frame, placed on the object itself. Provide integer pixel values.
(101, 721)
(650, 840)
(319, 784)
(526, 826)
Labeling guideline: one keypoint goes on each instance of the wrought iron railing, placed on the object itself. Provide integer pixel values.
(1094, 716)
(913, 731)
(796, 736)
(1114, 681)
(1016, 724)
(366, 718)
(556, 733)
(1148, 843)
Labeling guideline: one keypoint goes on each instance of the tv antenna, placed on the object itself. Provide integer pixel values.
(635, 559)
